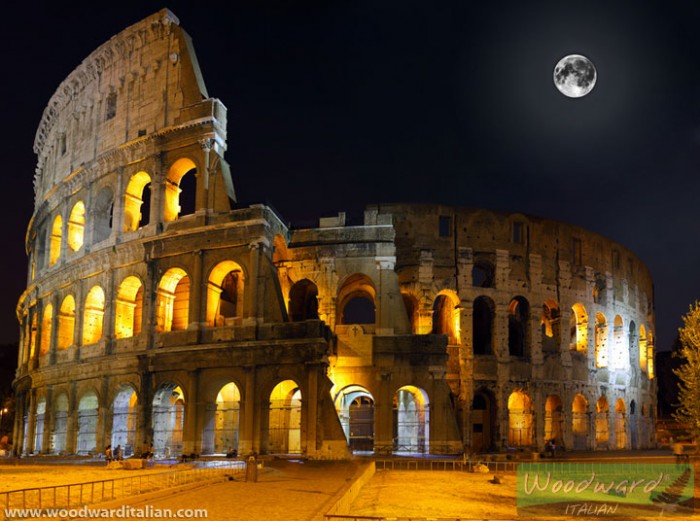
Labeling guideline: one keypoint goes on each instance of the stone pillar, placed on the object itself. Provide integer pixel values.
(105, 416)
(392, 316)
(158, 192)
(31, 423)
(198, 296)
(309, 411)
(253, 297)
(189, 434)
(208, 428)
(72, 423)
(247, 441)
(384, 415)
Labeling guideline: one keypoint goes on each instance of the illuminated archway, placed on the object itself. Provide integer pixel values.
(87, 423)
(553, 419)
(128, 308)
(519, 419)
(222, 427)
(620, 424)
(579, 422)
(39, 423)
(168, 420)
(76, 227)
(93, 315)
(46, 324)
(446, 319)
(355, 407)
(411, 420)
(101, 214)
(284, 421)
(66, 323)
(60, 424)
(643, 348)
(518, 327)
(601, 340)
(578, 329)
(356, 301)
(303, 301)
(124, 417)
(136, 192)
(225, 293)
(602, 433)
(178, 170)
(650, 354)
(619, 357)
(55, 240)
(173, 301)
(410, 302)
(551, 326)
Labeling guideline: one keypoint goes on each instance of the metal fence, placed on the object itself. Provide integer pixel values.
(440, 464)
(78, 494)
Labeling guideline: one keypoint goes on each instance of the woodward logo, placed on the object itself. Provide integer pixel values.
(604, 489)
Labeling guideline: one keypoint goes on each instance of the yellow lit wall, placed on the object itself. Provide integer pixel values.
(93, 315)
(76, 227)
(66, 323)
(133, 200)
(56, 236)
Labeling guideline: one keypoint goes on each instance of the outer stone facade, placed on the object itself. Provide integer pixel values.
(155, 314)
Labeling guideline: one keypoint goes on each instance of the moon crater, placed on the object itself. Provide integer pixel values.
(575, 76)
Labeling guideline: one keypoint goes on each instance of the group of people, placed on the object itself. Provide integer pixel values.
(113, 455)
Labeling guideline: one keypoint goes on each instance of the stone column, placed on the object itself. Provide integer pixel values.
(309, 411)
(247, 440)
(197, 316)
(189, 434)
(383, 415)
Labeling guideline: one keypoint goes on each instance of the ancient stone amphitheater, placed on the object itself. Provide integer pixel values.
(157, 313)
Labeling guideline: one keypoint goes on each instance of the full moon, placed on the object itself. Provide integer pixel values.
(574, 76)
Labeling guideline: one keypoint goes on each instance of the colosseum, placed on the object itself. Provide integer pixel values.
(158, 314)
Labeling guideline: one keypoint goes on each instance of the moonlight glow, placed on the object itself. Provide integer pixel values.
(575, 76)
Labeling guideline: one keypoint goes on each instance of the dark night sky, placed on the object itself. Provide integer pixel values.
(333, 105)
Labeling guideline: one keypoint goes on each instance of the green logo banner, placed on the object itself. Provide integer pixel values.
(605, 489)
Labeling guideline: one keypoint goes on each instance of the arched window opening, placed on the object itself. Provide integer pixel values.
(87, 424)
(601, 340)
(137, 202)
(39, 423)
(180, 193)
(93, 315)
(66, 323)
(518, 327)
(650, 354)
(619, 357)
(551, 326)
(356, 301)
(519, 420)
(32, 335)
(553, 419)
(579, 422)
(102, 214)
(173, 301)
(55, 240)
(632, 341)
(168, 420)
(578, 340)
(124, 418)
(483, 274)
(225, 292)
(411, 420)
(620, 424)
(355, 407)
(46, 324)
(76, 227)
(60, 424)
(482, 326)
(221, 425)
(303, 301)
(128, 308)
(411, 304)
(643, 348)
(284, 421)
(602, 434)
(483, 421)
(446, 318)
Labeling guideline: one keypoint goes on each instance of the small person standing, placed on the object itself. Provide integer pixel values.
(108, 454)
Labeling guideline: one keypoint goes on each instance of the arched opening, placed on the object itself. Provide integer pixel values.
(101, 214)
(483, 274)
(483, 421)
(46, 323)
(128, 308)
(482, 326)
(578, 323)
(173, 301)
(553, 419)
(411, 420)
(32, 335)
(446, 319)
(180, 189)
(411, 304)
(66, 323)
(60, 424)
(519, 419)
(303, 301)
(55, 240)
(87, 423)
(124, 417)
(168, 420)
(632, 341)
(602, 433)
(619, 358)
(601, 340)
(225, 292)
(518, 327)
(579, 422)
(136, 213)
(551, 326)
(76, 227)
(284, 425)
(356, 301)
(633, 425)
(355, 407)
(226, 419)
(620, 424)
(650, 354)
(39, 422)
(93, 315)
(643, 348)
